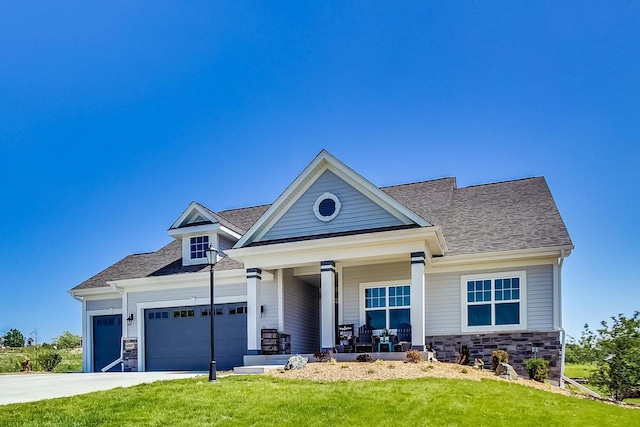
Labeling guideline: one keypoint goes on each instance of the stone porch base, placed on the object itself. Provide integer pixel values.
(518, 345)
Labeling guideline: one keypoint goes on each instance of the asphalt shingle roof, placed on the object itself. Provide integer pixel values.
(494, 217)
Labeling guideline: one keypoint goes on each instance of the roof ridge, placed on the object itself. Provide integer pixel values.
(418, 182)
(502, 182)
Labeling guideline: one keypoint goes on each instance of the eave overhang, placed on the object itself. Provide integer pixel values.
(373, 245)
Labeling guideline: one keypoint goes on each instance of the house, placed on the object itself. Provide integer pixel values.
(477, 266)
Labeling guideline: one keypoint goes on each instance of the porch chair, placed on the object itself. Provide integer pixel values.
(365, 339)
(404, 338)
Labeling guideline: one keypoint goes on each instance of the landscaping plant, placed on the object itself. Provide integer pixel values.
(538, 369)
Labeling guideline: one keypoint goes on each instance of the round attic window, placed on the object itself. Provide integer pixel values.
(326, 207)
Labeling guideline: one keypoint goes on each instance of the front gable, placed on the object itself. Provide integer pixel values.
(328, 198)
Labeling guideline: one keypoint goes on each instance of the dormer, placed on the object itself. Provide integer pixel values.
(199, 227)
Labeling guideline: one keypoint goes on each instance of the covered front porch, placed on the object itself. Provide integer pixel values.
(374, 281)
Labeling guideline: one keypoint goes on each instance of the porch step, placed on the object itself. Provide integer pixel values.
(258, 369)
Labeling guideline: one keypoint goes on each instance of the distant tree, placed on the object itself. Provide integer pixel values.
(618, 356)
(67, 340)
(584, 350)
(14, 338)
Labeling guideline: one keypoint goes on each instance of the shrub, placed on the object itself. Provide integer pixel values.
(497, 357)
(364, 357)
(332, 361)
(538, 369)
(414, 356)
(49, 360)
(464, 370)
(320, 356)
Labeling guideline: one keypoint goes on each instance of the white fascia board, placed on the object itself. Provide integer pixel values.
(230, 232)
(186, 280)
(488, 257)
(360, 246)
(193, 230)
(192, 206)
(102, 292)
(326, 161)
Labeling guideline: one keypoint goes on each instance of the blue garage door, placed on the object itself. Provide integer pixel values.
(177, 338)
(107, 333)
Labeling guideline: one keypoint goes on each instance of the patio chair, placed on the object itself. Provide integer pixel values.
(365, 339)
(404, 338)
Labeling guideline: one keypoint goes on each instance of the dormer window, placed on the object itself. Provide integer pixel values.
(199, 245)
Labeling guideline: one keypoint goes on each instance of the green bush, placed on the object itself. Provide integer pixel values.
(497, 357)
(49, 360)
(538, 369)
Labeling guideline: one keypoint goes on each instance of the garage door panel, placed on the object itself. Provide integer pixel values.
(178, 338)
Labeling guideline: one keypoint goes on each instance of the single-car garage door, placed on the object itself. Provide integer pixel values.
(177, 338)
(107, 333)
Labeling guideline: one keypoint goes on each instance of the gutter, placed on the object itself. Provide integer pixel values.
(564, 333)
(75, 297)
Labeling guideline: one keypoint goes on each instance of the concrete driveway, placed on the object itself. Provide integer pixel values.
(32, 387)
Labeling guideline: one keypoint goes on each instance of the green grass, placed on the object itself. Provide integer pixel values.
(578, 370)
(10, 359)
(268, 401)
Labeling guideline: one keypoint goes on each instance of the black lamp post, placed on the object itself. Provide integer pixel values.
(212, 258)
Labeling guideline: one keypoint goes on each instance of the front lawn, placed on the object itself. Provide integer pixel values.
(272, 401)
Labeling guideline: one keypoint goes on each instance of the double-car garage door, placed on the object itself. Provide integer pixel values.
(177, 338)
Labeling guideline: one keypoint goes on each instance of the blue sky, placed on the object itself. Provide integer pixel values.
(114, 117)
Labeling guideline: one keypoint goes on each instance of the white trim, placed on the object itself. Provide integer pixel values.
(380, 245)
(88, 338)
(193, 206)
(387, 283)
(325, 161)
(280, 275)
(459, 260)
(177, 281)
(322, 198)
(338, 269)
(142, 306)
(521, 274)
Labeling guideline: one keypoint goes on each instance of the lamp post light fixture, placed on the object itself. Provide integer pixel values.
(212, 258)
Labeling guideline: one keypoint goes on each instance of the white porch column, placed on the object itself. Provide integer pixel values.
(327, 298)
(417, 301)
(253, 311)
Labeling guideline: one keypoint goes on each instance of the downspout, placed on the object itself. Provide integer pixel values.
(114, 286)
(564, 333)
(75, 297)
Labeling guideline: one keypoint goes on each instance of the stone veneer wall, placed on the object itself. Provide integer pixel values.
(518, 345)
(130, 354)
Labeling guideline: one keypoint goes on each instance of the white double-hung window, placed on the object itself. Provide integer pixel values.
(494, 301)
(385, 305)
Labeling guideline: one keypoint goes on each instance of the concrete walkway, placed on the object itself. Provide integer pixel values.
(33, 387)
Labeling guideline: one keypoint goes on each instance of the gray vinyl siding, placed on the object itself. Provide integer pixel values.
(442, 304)
(540, 297)
(104, 304)
(443, 300)
(269, 300)
(301, 314)
(353, 276)
(358, 212)
(225, 243)
(133, 298)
